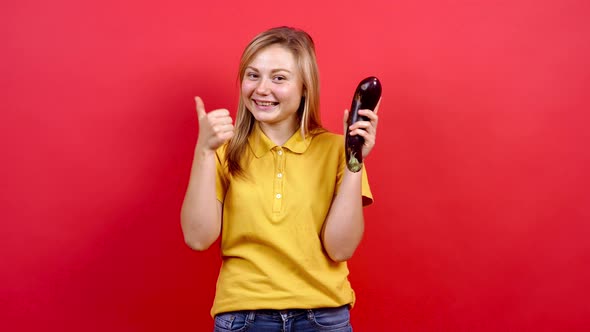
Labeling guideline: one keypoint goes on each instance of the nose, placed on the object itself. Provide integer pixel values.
(263, 87)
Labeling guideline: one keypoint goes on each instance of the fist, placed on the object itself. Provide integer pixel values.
(215, 127)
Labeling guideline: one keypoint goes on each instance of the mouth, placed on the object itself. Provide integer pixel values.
(263, 103)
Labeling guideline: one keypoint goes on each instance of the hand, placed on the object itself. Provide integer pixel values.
(215, 127)
(366, 129)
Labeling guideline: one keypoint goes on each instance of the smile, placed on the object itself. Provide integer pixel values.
(265, 103)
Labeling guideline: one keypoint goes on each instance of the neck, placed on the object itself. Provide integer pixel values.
(281, 132)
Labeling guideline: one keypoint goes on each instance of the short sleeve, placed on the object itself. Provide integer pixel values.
(221, 175)
(366, 188)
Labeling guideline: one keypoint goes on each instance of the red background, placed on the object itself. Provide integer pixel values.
(482, 209)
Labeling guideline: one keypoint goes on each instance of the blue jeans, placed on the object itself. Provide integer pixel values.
(300, 320)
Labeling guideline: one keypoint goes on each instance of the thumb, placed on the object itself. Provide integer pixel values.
(200, 107)
(377, 106)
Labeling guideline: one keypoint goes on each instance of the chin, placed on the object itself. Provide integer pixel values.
(265, 119)
(261, 115)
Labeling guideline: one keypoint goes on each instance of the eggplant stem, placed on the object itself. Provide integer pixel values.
(353, 164)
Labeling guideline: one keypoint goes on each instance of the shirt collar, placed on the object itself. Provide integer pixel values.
(261, 144)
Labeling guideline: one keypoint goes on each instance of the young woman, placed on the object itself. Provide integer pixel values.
(277, 189)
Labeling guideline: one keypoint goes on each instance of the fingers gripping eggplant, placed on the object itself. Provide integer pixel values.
(366, 96)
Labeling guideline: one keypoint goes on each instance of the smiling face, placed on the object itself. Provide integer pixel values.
(272, 88)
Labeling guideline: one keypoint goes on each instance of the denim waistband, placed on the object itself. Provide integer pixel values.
(280, 313)
(288, 313)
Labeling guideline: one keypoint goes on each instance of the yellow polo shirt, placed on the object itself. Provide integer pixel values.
(272, 253)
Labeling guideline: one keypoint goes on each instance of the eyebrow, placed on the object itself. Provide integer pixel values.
(272, 71)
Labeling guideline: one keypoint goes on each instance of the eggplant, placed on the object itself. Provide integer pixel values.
(366, 96)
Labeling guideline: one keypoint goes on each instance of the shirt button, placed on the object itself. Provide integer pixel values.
(278, 196)
(280, 175)
(280, 152)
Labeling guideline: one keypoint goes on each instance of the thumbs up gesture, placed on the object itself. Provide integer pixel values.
(215, 127)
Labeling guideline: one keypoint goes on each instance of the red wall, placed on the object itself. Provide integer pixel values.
(482, 212)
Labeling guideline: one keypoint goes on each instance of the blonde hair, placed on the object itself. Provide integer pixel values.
(301, 45)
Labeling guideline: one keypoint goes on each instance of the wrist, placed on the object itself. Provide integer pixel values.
(350, 174)
(203, 152)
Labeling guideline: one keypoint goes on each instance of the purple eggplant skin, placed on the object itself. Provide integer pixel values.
(366, 96)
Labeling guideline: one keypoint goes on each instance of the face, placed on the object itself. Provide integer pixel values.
(272, 87)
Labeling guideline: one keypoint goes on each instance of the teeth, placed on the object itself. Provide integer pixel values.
(265, 103)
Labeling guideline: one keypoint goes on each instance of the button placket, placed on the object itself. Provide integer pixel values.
(278, 180)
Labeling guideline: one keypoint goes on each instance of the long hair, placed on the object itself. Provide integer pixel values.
(302, 46)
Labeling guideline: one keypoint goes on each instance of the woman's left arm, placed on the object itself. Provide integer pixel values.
(344, 225)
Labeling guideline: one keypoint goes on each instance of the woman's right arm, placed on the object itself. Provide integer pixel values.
(200, 216)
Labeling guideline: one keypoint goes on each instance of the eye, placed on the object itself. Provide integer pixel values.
(251, 75)
(279, 78)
